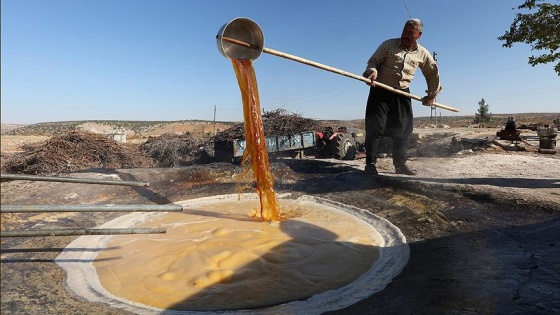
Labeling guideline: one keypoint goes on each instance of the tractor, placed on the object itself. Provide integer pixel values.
(339, 144)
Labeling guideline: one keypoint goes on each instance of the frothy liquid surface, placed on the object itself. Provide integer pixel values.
(213, 257)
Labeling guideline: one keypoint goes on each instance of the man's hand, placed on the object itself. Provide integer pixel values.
(428, 100)
(371, 75)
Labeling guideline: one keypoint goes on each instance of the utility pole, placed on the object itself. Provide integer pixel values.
(433, 113)
(214, 120)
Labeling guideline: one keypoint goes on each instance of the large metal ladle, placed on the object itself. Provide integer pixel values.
(242, 38)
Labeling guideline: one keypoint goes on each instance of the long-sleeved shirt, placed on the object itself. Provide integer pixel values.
(395, 65)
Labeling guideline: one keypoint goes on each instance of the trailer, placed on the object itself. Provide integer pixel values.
(328, 143)
(285, 145)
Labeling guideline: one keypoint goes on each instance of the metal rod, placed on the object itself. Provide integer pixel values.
(334, 70)
(67, 232)
(73, 180)
(89, 208)
(240, 43)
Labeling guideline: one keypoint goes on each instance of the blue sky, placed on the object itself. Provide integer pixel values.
(158, 60)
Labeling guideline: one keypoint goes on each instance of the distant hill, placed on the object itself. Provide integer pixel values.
(10, 127)
(498, 120)
(147, 128)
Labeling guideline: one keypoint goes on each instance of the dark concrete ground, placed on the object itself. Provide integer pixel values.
(472, 251)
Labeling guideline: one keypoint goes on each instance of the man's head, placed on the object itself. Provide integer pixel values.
(411, 33)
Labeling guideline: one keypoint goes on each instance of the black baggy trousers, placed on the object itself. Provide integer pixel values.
(390, 115)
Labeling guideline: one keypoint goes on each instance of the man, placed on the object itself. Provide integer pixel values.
(388, 114)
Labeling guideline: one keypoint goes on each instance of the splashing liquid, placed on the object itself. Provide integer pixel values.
(255, 151)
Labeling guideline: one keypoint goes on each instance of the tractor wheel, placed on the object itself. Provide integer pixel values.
(345, 147)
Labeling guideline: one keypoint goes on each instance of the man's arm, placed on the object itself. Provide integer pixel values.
(375, 62)
(430, 71)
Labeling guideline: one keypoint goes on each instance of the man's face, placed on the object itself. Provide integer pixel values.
(409, 36)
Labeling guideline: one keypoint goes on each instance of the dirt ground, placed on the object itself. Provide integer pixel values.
(482, 222)
(11, 144)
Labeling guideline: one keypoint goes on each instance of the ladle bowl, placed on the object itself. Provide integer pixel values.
(244, 30)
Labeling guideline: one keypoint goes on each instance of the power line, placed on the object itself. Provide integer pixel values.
(313, 94)
(323, 86)
(309, 93)
(406, 6)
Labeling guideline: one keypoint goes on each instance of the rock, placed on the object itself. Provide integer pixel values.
(456, 145)
(415, 137)
(462, 152)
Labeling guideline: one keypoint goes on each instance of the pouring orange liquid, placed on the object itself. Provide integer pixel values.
(255, 151)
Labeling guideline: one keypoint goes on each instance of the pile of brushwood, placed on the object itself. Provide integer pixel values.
(275, 123)
(172, 150)
(73, 151)
(80, 150)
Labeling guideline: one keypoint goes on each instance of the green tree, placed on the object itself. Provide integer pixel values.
(483, 115)
(540, 28)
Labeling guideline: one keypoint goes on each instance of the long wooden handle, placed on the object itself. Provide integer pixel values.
(352, 75)
(334, 70)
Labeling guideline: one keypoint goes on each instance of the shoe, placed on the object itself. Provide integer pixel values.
(371, 170)
(405, 170)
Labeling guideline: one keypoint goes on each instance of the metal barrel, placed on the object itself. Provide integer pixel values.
(547, 137)
(243, 30)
